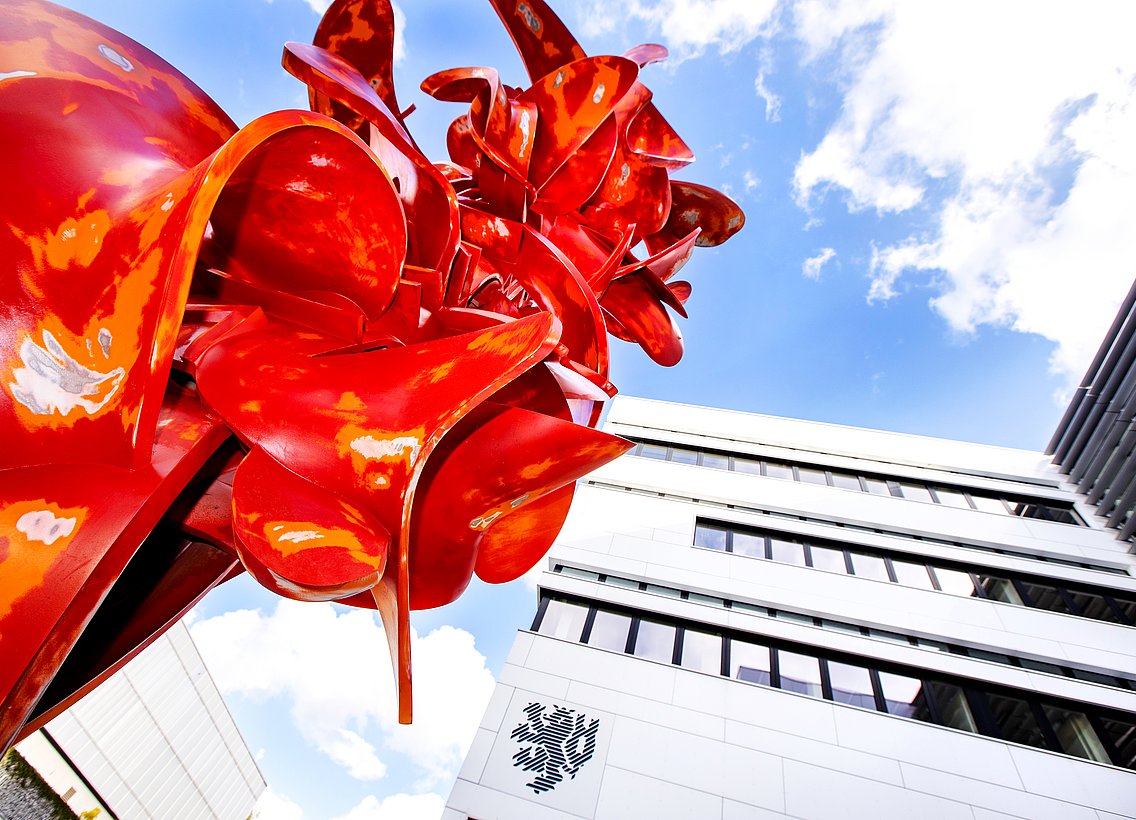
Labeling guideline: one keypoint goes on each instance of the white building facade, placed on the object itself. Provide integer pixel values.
(756, 617)
(155, 741)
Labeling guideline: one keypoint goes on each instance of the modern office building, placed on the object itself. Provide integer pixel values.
(153, 742)
(757, 617)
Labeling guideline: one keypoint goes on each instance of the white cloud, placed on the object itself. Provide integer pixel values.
(275, 806)
(320, 6)
(1015, 131)
(771, 100)
(751, 181)
(397, 807)
(812, 266)
(687, 27)
(333, 669)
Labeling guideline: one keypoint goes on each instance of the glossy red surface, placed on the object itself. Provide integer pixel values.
(301, 345)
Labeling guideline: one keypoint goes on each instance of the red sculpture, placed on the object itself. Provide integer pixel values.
(300, 348)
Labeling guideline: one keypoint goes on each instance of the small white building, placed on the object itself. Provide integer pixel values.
(155, 741)
(758, 617)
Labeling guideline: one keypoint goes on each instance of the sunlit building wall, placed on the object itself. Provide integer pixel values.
(752, 616)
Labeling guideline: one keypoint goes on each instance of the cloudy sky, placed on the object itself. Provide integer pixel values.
(939, 200)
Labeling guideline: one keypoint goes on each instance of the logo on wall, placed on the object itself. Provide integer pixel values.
(560, 741)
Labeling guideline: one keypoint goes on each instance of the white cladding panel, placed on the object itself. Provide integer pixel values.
(690, 744)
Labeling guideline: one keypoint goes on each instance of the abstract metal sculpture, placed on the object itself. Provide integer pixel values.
(299, 347)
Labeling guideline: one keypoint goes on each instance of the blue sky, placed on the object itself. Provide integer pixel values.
(961, 175)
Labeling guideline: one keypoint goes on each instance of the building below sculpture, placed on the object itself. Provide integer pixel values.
(749, 616)
(155, 741)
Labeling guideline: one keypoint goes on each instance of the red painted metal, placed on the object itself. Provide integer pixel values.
(301, 345)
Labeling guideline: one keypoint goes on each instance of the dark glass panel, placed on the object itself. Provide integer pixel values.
(904, 696)
(702, 651)
(1075, 733)
(1094, 606)
(710, 537)
(1015, 720)
(799, 673)
(1044, 596)
(655, 641)
(749, 662)
(851, 684)
(999, 589)
(609, 631)
(563, 620)
(954, 711)
(1122, 734)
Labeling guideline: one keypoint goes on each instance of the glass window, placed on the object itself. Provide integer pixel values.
(846, 481)
(658, 451)
(828, 559)
(655, 641)
(625, 583)
(702, 651)
(786, 551)
(876, 486)
(953, 707)
(669, 592)
(716, 460)
(999, 589)
(563, 620)
(988, 503)
(799, 673)
(1127, 607)
(951, 498)
(911, 575)
(778, 469)
(851, 684)
(746, 543)
(811, 475)
(904, 696)
(573, 572)
(869, 566)
(609, 630)
(747, 465)
(1094, 677)
(955, 582)
(710, 537)
(1042, 666)
(699, 598)
(742, 606)
(1122, 733)
(1094, 606)
(681, 455)
(915, 492)
(886, 635)
(1044, 596)
(1075, 734)
(749, 662)
(1015, 719)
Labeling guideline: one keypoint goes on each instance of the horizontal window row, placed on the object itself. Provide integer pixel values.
(908, 570)
(854, 629)
(1075, 729)
(964, 498)
(1045, 559)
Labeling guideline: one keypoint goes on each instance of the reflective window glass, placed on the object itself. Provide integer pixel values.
(1042, 666)
(712, 600)
(788, 552)
(609, 630)
(749, 662)
(669, 592)
(625, 583)
(1127, 607)
(903, 695)
(747, 465)
(563, 620)
(716, 460)
(990, 504)
(877, 486)
(827, 559)
(655, 641)
(702, 651)
(911, 575)
(915, 492)
(658, 451)
(811, 475)
(710, 537)
(851, 684)
(951, 498)
(955, 582)
(799, 673)
(749, 544)
(1075, 734)
(953, 707)
(573, 572)
(777, 469)
(1122, 734)
(1044, 596)
(846, 481)
(1015, 719)
(999, 589)
(681, 455)
(869, 566)
(1094, 606)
